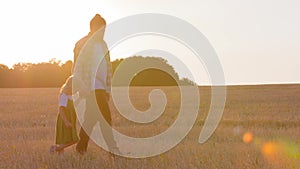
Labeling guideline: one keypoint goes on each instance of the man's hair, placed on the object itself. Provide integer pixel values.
(97, 22)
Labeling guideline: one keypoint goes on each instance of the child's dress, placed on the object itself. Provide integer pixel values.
(64, 134)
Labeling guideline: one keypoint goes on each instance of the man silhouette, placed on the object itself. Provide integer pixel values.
(90, 48)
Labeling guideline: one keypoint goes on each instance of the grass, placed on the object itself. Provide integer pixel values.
(271, 113)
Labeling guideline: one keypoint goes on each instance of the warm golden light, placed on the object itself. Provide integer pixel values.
(281, 152)
(269, 149)
(248, 137)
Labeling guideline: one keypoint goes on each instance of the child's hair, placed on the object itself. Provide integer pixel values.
(67, 86)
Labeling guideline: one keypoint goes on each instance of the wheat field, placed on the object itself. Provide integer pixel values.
(259, 129)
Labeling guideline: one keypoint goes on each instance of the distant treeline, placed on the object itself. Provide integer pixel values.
(54, 73)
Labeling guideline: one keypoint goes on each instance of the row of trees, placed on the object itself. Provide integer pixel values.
(54, 73)
(50, 74)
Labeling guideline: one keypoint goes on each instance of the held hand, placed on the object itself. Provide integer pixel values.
(68, 124)
(107, 96)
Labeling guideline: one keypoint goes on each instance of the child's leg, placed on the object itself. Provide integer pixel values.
(61, 147)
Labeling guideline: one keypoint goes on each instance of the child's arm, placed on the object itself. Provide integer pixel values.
(63, 102)
(63, 116)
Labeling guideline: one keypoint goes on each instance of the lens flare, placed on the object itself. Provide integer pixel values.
(281, 152)
(270, 150)
(248, 137)
(290, 149)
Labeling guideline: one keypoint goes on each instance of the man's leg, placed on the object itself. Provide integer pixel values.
(90, 119)
(106, 129)
(81, 146)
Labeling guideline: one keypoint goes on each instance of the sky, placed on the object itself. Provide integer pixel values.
(257, 41)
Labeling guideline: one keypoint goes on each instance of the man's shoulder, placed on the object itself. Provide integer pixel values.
(82, 40)
(79, 44)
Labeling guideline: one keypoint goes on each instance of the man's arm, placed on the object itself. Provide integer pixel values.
(78, 47)
(109, 74)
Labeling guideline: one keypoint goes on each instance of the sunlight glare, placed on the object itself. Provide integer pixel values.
(248, 137)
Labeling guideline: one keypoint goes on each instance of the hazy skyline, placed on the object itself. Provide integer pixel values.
(256, 41)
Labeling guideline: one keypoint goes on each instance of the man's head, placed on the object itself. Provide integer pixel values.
(96, 23)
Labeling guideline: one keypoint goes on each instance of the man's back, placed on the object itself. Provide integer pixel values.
(94, 65)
